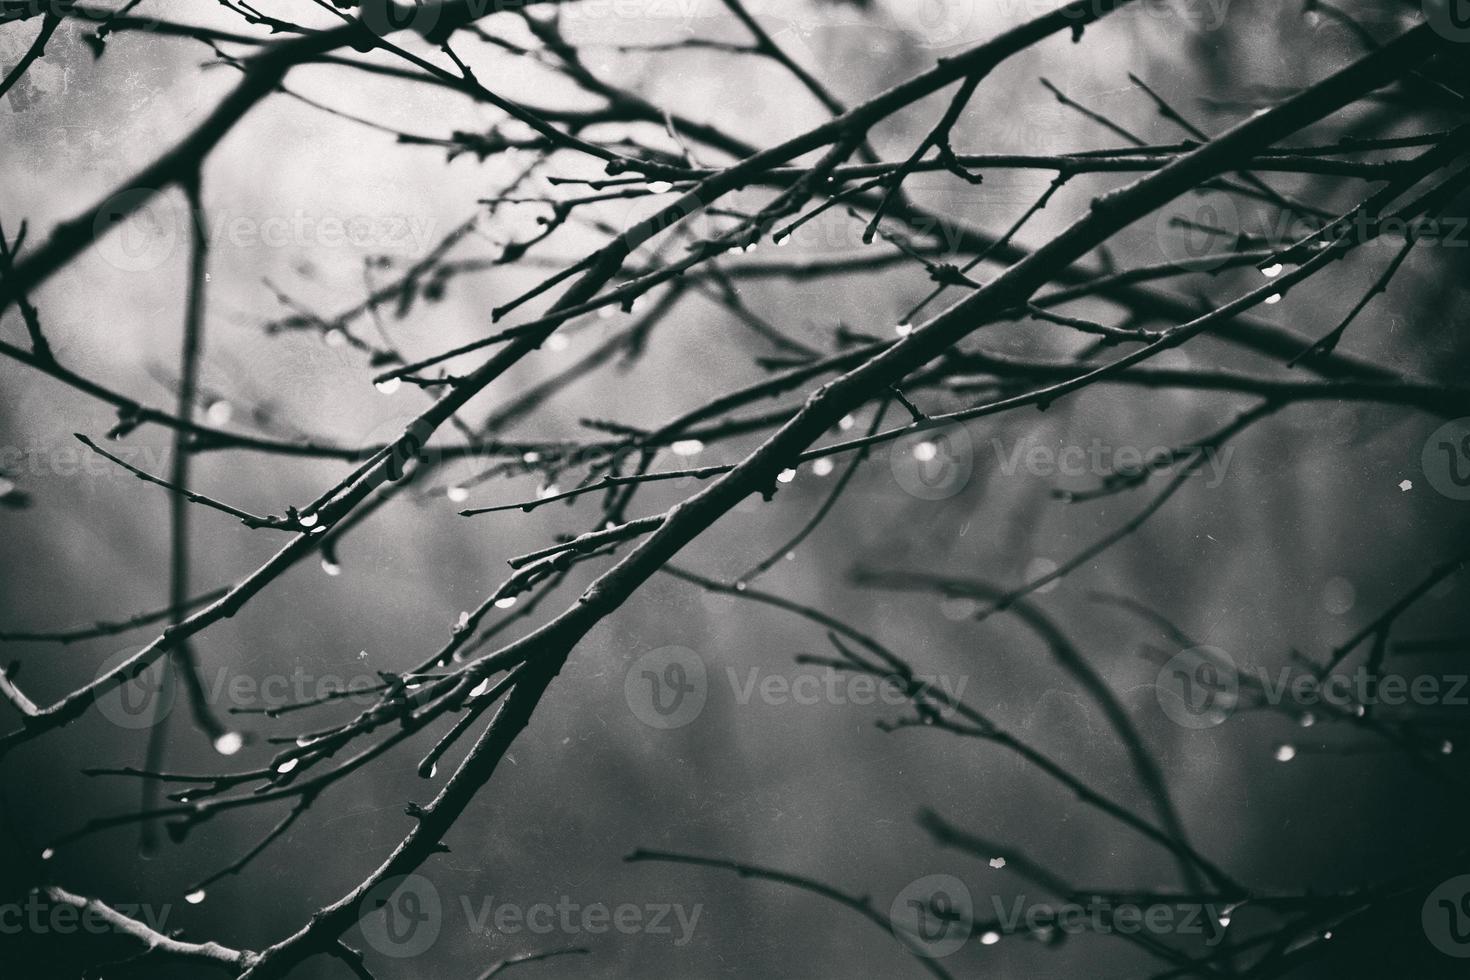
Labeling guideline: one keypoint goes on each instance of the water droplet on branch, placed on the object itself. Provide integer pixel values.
(229, 743)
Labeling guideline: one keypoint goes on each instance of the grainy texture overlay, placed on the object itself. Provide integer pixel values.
(734, 488)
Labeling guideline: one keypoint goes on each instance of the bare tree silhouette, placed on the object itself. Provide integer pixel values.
(1374, 153)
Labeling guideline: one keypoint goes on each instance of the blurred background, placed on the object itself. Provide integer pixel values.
(1308, 534)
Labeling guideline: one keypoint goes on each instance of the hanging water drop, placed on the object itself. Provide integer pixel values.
(1285, 753)
(786, 476)
(1273, 299)
(457, 495)
(195, 897)
(388, 385)
(307, 520)
(219, 413)
(686, 447)
(989, 938)
(660, 186)
(505, 602)
(229, 743)
(1272, 271)
(331, 568)
(287, 765)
